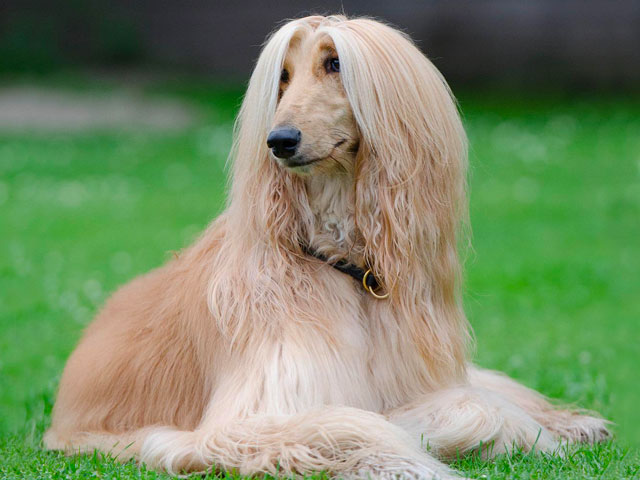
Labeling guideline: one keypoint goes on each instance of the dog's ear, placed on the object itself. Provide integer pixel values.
(410, 194)
(410, 180)
(265, 199)
(411, 165)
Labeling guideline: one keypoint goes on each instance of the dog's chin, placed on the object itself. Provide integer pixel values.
(300, 164)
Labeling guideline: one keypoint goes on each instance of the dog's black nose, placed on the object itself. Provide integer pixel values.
(284, 141)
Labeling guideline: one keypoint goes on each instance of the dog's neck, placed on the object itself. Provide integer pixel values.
(334, 235)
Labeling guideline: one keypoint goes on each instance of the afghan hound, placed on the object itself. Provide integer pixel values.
(316, 325)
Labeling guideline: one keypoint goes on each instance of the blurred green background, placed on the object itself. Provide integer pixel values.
(112, 156)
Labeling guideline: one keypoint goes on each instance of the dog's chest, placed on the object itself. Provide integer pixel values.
(314, 370)
(317, 356)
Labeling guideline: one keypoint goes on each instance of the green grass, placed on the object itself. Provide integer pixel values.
(553, 288)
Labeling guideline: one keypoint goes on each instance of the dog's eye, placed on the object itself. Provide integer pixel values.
(332, 65)
(284, 76)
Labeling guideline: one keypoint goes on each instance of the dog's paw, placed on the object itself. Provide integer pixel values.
(390, 467)
(174, 451)
(578, 427)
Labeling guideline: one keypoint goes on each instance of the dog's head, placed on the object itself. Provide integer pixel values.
(333, 95)
(313, 128)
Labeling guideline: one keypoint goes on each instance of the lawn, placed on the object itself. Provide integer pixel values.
(553, 281)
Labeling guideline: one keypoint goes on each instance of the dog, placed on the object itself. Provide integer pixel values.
(316, 325)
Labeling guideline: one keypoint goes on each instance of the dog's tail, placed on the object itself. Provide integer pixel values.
(345, 442)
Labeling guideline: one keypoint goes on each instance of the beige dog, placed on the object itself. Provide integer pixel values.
(251, 352)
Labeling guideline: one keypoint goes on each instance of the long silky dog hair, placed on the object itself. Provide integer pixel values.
(247, 352)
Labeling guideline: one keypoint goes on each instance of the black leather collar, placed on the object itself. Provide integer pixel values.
(345, 267)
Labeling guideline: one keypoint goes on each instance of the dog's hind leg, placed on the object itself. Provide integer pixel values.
(574, 425)
(464, 419)
(344, 442)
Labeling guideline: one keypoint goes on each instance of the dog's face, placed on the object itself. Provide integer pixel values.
(314, 129)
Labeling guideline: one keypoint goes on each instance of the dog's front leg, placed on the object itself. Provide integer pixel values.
(463, 419)
(344, 442)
